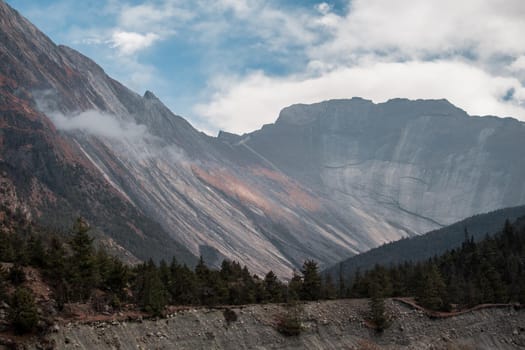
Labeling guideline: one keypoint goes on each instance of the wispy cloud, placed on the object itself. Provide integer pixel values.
(99, 124)
(130, 42)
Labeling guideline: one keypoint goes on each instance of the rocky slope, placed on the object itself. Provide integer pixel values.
(324, 182)
(327, 325)
(47, 172)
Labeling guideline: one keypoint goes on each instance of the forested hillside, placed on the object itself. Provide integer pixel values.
(75, 271)
(489, 271)
(422, 247)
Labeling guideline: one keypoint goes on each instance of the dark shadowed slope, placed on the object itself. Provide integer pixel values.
(430, 244)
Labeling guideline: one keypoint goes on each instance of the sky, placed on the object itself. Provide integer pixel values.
(234, 64)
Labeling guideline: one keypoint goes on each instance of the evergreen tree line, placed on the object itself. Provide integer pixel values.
(490, 271)
(78, 272)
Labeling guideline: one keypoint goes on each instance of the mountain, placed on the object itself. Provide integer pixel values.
(415, 165)
(431, 244)
(76, 142)
(326, 181)
(44, 170)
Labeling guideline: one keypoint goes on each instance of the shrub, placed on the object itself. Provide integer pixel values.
(289, 326)
(230, 316)
(289, 323)
(17, 275)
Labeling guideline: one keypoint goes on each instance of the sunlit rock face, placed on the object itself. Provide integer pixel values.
(324, 182)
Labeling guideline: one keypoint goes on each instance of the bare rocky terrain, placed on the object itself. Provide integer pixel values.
(340, 324)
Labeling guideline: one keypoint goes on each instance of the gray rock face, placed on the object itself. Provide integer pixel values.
(415, 164)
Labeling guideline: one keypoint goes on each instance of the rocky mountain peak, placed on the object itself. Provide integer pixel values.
(301, 114)
(148, 95)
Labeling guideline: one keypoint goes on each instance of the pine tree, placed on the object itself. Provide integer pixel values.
(311, 288)
(36, 252)
(17, 276)
(249, 290)
(3, 283)
(377, 305)
(56, 271)
(295, 287)
(82, 263)
(152, 293)
(328, 290)
(432, 290)
(23, 313)
(341, 292)
(272, 288)
(183, 288)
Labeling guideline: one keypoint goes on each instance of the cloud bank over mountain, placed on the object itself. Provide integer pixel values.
(233, 64)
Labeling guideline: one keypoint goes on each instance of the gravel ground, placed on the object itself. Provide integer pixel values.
(334, 325)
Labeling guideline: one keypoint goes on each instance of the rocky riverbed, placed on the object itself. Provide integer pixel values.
(340, 324)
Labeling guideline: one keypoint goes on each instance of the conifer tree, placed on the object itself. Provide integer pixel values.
(328, 290)
(3, 283)
(56, 271)
(183, 287)
(295, 287)
(272, 288)
(152, 293)
(311, 288)
(341, 291)
(249, 290)
(23, 313)
(376, 305)
(82, 263)
(432, 290)
(36, 252)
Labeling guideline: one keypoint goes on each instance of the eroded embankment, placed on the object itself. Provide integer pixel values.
(326, 325)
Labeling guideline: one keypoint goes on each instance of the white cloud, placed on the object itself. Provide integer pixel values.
(161, 17)
(431, 27)
(519, 64)
(381, 49)
(99, 124)
(242, 105)
(323, 8)
(130, 42)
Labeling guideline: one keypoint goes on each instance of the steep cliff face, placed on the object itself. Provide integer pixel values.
(327, 325)
(417, 165)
